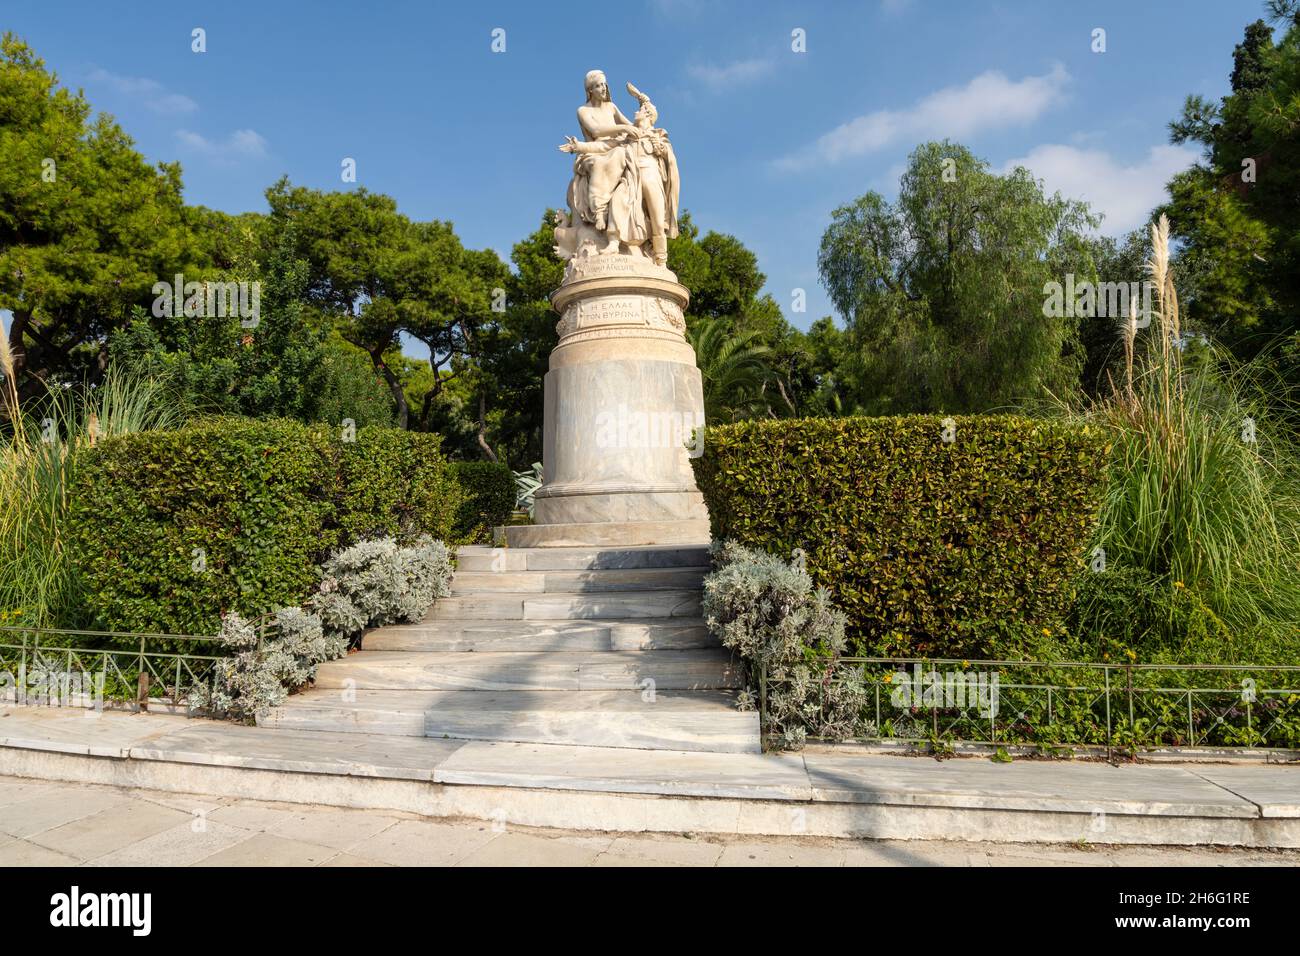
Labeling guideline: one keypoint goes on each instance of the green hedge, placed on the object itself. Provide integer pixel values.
(961, 548)
(488, 496)
(395, 483)
(171, 528)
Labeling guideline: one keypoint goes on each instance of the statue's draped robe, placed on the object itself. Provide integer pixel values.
(671, 179)
(605, 191)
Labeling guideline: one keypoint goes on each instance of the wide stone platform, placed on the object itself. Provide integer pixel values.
(840, 792)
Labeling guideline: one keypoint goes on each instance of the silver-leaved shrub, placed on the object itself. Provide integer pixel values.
(377, 582)
(369, 584)
(770, 613)
(250, 680)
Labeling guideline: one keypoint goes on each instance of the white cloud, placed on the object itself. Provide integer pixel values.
(989, 101)
(241, 144)
(152, 94)
(1125, 194)
(729, 75)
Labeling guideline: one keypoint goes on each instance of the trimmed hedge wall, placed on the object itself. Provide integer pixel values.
(487, 501)
(395, 483)
(961, 548)
(171, 528)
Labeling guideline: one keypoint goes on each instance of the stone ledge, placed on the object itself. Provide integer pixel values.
(879, 797)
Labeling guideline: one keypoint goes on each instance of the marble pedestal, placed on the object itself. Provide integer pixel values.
(623, 403)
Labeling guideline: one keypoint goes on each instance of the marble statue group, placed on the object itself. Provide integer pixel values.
(624, 400)
(623, 197)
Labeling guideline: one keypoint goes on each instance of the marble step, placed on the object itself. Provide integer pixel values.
(619, 770)
(707, 669)
(479, 558)
(675, 720)
(518, 606)
(489, 636)
(612, 579)
(685, 531)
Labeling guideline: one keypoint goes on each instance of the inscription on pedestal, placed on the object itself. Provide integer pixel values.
(624, 310)
(621, 314)
(593, 267)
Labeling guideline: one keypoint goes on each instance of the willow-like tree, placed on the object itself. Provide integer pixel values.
(942, 291)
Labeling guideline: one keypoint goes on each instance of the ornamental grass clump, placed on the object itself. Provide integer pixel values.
(1200, 523)
(767, 611)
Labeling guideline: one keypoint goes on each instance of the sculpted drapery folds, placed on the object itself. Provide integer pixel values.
(625, 190)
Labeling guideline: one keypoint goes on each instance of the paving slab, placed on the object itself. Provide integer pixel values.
(524, 849)
(190, 803)
(14, 790)
(780, 854)
(347, 859)
(422, 843)
(251, 816)
(111, 829)
(181, 845)
(1274, 788)
(649, 851)
(911, 853)
(23, 853)
(54, 808)
(610, 769)
(1070, 787)
(267, 849)
(337, 828)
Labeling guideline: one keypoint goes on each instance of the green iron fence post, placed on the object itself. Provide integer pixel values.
(1110, 733)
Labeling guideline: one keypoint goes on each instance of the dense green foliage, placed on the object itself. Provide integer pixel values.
(86, 224)
(171, 528)
(394, 484)
(1200, 525)
(963, 547)
(380, 275)
(1237, 213)
(488, 499)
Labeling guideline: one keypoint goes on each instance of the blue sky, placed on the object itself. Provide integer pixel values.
(769, 140)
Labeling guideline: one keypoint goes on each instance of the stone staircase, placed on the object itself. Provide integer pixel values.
(587, 646)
